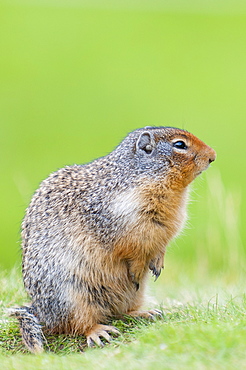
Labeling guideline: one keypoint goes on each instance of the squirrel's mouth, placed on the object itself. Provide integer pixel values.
(203, 165)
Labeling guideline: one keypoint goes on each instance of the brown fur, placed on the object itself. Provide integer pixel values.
(92, 233)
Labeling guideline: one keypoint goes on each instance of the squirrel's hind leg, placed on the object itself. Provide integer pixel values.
(30, 328)
(97, 331)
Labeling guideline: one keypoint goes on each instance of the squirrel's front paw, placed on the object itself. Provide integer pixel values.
(135, 271)
(134, 280)
(93, 336)
(156, 265)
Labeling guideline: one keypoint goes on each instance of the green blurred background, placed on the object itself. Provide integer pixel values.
(77, 76)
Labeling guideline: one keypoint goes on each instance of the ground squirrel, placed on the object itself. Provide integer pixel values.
(92, 232)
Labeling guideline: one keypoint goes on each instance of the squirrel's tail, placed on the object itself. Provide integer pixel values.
(30, 328)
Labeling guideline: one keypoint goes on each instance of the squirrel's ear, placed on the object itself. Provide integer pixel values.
(146, 142)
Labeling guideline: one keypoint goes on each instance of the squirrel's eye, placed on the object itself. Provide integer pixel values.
(180, 145)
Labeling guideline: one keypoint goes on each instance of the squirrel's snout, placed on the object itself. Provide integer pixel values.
(212, 156)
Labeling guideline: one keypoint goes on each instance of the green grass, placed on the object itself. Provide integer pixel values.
(199, 333)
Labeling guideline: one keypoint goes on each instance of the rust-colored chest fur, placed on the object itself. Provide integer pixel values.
(157, 215)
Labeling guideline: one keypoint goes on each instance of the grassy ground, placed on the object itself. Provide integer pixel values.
(195, 333)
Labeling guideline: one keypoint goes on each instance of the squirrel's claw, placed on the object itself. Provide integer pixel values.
(156, 313)
(155, 272)
(93, 337)
(150, 315)
(156, 265)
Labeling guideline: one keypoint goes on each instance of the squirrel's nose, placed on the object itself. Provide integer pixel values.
(212, 156)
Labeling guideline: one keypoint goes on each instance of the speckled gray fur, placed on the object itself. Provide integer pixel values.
(75, 201)
(78, 195)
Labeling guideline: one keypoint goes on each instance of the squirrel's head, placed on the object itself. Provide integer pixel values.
(176, 153)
